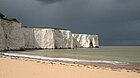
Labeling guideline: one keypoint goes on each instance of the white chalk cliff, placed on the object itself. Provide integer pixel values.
(63, 39)
(29, 37)
(83, 40)
(38, 38)
(47, 38)
(44, 38)
(15, 37)
(2, 38)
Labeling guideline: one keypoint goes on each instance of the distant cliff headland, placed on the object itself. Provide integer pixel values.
(14, 36)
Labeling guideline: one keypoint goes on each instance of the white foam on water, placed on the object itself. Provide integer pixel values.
(66, 59)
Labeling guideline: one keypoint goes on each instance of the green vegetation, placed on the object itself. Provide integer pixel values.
(11, 19)
(2, 15)
(52, 28)
(84, 33)
(46, 28)
(21, 49)
(96, 46)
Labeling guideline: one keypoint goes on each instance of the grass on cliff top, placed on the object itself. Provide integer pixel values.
(11, 19)
(84, 33)
(2, 16)
(46, 28)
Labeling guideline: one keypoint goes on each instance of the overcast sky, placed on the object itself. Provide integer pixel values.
(117, 22)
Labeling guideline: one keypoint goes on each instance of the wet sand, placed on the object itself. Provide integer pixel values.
(17, 67)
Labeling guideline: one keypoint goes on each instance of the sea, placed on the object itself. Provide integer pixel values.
(121, 55)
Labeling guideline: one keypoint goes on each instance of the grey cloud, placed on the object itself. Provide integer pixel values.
(49, 1)
(112, 20)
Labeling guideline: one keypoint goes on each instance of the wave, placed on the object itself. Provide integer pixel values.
(67, 59)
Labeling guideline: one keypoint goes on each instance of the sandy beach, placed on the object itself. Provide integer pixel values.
(17, 67)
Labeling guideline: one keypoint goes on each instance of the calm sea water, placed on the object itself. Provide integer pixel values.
(129, 54)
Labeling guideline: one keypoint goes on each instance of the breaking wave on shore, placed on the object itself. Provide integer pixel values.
(67, 59)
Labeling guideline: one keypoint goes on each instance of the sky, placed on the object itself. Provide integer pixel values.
(117, 22)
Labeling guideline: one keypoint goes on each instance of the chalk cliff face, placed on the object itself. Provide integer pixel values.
(12, 34)
(13, 37)
(47, 38)
(83, 40)
(29, 37)
(63, 39)
(2, 38)
(44, 37)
